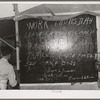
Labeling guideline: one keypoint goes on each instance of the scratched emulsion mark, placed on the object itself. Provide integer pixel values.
(58, 51)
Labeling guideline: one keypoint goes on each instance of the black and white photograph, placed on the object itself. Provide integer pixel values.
(50, 46)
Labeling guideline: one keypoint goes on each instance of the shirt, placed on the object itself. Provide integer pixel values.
(6, 73)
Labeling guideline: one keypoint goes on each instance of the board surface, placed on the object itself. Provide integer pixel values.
(58, 51)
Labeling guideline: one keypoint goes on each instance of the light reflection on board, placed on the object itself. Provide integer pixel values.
(58, 45)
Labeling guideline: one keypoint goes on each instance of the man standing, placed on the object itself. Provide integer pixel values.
(6, 70)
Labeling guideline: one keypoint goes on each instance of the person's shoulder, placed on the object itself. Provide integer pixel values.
(10, 66)
(1, 59)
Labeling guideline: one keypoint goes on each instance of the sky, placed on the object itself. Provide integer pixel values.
(6, 9)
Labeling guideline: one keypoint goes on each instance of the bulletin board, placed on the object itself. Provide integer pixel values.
(58, 51)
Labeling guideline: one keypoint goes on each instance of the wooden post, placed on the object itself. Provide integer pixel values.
(17, 36)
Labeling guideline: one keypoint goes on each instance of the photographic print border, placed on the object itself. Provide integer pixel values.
(49, 94)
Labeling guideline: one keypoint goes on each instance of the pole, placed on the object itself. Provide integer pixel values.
(7, 43)
(17, 36)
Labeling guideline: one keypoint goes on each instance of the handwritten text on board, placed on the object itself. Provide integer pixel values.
(58, 51)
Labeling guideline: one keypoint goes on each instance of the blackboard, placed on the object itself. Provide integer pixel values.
(58, 51)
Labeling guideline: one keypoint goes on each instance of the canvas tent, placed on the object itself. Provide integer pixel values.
(59, 10)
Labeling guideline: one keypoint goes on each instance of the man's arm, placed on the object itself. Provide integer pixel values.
(16, 86)
(12, 79)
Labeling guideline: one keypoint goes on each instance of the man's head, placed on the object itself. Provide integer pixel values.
(6, 52)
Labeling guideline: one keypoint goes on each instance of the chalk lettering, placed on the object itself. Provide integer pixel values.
(69, 21)
(29, 25)
(74, 21)
(40, 24)
(90, 20)
(80, 21)
(60, 23)
(37, 25)
(86, 21)
(45, 25)
(65, 22)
